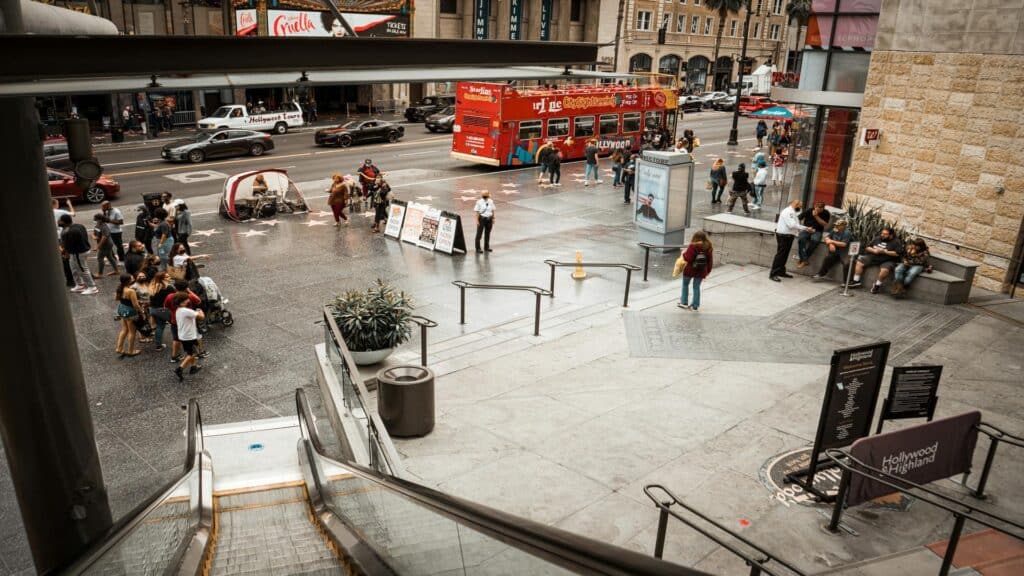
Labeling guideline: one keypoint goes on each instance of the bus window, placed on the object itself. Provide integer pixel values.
(529, 129)
(558, 127)
(652, 120)
(630, 122)
(609, 124)
(584, 126)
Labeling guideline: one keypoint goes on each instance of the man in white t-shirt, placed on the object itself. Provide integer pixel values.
(786, 230)
(69, 279)
(187, 319)
(484, 220)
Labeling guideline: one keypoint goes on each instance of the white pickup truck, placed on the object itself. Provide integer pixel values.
(237, 116)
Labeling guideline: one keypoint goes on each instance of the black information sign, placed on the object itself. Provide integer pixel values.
(912, 394)
(849, 405)
(515, 18)
(481, 19)
(545, 19)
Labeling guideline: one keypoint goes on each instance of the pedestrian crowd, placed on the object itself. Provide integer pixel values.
(373, 191)
(154, 275)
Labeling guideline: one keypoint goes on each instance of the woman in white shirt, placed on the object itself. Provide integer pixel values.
(760, 181)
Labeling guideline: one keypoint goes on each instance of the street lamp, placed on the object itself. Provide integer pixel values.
(734, 133)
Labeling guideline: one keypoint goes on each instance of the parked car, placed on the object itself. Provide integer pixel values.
(429, 105)
(289, 115)
(710, 98)
(750, 104)
(727, 103)
(63, 185)
(55, 146)
(60, 162)
(691, 103)
(218, 144)
(441, 121)
(358, 131)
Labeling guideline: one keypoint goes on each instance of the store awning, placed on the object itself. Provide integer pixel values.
(276, 79)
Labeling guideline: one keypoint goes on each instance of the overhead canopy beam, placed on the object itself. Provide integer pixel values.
(70, 57)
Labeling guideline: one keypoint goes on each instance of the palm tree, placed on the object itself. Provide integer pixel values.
(724, 8)
(797, 12)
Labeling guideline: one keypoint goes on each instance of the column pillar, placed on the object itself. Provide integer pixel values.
(501, 13)
(564, 19)
(532, 31)
(592, 11)
(468, 14)
(44, 410)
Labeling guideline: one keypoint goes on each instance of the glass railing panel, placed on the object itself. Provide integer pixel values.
(415, 540)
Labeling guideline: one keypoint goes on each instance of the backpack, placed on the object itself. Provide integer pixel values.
(700, 261)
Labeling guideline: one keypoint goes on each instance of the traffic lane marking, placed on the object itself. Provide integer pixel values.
(296, 155)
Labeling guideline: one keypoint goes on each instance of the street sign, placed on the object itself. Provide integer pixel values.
(912, 394)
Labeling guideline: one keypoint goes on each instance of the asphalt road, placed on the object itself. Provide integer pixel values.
(139, 168)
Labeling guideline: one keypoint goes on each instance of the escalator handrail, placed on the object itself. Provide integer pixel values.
(127, 523)
(564, 548)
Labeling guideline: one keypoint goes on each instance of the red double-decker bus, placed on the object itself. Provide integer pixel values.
(501, 125)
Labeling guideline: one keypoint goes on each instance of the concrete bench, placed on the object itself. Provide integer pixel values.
(744, 240)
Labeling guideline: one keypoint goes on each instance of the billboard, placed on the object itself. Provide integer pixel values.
(301, 18)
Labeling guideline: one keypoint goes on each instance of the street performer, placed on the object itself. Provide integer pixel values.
(368, 177)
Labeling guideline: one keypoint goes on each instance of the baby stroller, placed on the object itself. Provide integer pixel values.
(213, 303)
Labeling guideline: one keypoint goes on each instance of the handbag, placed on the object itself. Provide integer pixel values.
(708, 185)
(678, 268)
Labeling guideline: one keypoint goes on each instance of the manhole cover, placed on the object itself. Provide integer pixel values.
(774, 472)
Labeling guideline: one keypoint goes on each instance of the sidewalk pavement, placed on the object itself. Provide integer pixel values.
(565, 428)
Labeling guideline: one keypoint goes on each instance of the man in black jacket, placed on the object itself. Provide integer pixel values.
(134, 258)
(143, 232)
(75, 240)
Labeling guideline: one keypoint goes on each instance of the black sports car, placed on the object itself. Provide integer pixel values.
(358, 131)
(218, 143)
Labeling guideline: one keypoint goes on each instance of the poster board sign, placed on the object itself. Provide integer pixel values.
(326, 24)
(912, 393)
(413, 221)
(651, 205)
(848, 407)
(920, 454)
(428, 228)
(396, 216)
(448, 225)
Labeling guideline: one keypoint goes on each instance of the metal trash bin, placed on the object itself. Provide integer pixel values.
(405, 400)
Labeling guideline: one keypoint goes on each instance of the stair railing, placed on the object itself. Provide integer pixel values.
(757, 562)
(537, 292)
(629, 268)
(995, 436)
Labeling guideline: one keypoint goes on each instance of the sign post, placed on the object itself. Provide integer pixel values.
(854, 251)
(912, 394)
(848, 407)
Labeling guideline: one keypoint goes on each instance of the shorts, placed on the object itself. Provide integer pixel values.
(875, 260)
(191, 347)
(126, 312)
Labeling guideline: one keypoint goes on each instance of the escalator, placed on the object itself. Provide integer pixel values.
(278, 505)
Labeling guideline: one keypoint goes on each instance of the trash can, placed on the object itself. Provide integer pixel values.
(116, 134)
(405, 400)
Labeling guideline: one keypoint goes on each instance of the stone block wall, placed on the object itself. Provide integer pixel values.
(950, 164)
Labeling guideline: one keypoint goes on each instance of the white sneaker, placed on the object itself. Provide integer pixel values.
(90, 291)
(599, 182)
(755, 207)
(78, 289)
(585, 183)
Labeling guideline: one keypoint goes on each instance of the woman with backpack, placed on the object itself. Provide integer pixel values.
(761, 131)
(696, 263)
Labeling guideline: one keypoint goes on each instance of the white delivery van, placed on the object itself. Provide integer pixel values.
(289, 115)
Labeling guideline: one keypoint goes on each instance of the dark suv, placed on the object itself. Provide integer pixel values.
(418, 112)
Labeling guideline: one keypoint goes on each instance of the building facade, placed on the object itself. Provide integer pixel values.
(944, 92)
(690, 33)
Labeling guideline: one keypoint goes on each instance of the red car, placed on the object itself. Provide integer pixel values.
(750, 104)
(62, 185)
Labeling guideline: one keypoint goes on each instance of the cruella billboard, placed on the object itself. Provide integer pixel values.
(299, 18)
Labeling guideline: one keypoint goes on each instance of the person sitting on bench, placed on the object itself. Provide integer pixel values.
(838, 243)
(914, 261)
(883, 251)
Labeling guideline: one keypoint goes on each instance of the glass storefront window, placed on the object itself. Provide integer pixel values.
(849, 72)
(812, 70)
(835, 144)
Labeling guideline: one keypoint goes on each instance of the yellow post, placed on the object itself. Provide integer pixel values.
(579, 273)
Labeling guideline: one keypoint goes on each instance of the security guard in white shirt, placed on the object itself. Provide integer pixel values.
(786, 230)
(484, 220)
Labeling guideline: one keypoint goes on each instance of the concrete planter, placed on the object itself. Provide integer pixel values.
(370, 356)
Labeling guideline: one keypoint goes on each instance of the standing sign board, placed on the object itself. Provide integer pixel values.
(912, 393)
(413, 222)
(396, 216)
(849, 404)
(450, 236)
(428, 228)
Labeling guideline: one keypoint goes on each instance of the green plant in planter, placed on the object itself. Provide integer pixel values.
(374, 319)
(865, 222)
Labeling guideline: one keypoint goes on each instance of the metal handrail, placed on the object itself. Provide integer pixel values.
(196, 461)
(360, 555)
(757, 565)
(424, 323)
(374, 424)
(537, 292)
(995, 435)
(960, 510)
(629, 268)
(647, 252)
(558, 546)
